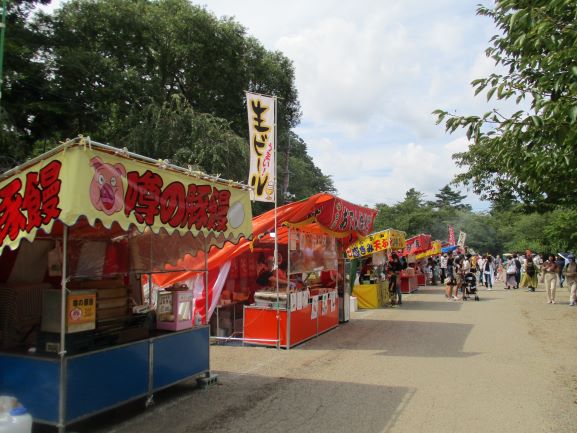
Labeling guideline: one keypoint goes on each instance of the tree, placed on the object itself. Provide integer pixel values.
(24, 80)
(449, 198)
(118, 56)
(529, 154)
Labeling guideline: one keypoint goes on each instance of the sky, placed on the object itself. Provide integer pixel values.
(368, 74)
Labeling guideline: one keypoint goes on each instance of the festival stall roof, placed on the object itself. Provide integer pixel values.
(320, 213)
(93, 186)
(384, 240)
(435, 250)
(417, 244)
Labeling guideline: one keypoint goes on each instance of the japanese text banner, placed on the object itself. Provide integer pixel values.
(261, 126)
(462, 239)
(433, 251)
(417, 244)
(380, 241)
(99, 185)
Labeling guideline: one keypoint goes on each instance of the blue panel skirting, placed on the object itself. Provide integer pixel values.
(34, 382)
(180, 356)
(97, 381)
(104, 379)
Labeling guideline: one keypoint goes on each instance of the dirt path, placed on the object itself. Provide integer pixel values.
(505, 364)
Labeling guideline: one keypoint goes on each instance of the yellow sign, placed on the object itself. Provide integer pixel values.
(96, 183)
(381, 241)
(81, 311)
(261, 125)
(433, 251)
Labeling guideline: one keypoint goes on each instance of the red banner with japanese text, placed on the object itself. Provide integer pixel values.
(417, 244)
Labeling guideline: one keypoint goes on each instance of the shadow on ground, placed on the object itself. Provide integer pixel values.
(409, 304)
(397, 338)
(252, 403)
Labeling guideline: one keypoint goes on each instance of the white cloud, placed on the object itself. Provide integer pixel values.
(384, 174)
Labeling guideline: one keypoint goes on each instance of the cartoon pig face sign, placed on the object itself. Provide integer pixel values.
(106, 189)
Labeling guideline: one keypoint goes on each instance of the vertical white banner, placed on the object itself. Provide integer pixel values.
(462, 239)
(261, 124)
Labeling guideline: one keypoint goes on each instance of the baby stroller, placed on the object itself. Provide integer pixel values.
(469, 286)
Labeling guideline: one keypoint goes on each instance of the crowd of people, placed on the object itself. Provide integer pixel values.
(516, 271)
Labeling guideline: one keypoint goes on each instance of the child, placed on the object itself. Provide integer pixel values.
(449, 285)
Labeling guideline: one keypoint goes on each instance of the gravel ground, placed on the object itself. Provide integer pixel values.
(507, 363)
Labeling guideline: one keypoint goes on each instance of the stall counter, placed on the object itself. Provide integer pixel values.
(371, 295)
(103, 379)
(409, 282)
(298, 326)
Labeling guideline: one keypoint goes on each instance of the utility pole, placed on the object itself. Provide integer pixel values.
(2, 31)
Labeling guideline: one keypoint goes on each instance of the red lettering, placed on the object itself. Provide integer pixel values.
(172, 204)
(32, 202)
(143, 196)
(197, 199)
(12, 220)
(50, 192)
(220, 217)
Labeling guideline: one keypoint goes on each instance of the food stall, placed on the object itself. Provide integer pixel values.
(412, 277)
(311, 236)
(433, 251)
(315, 236)
(374, 293)
(81, 228)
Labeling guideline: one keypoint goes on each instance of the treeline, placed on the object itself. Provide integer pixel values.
(163, 78)
(506, 227)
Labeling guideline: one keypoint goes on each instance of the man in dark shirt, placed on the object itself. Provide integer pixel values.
(395, 268)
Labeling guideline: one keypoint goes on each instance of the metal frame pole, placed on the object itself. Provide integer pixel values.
(275, 220)
(62, 352)
(206, 304)
(2, 37)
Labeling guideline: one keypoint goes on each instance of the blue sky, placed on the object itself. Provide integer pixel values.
(369, 73)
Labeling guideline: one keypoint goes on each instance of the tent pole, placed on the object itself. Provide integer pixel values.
(62, 352)
(206, 303)
(275, 222)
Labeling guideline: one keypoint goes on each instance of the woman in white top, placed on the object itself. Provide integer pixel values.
(481, 268)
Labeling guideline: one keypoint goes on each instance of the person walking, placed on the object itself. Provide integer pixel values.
(561, 265)
(518, 272)
(511, 271)
(551, 269)
(395, 268)
(443, 267)
(570, 273)
(538, 262)
(489, 271)
(498, 263)
(481, 268)
(529, 278)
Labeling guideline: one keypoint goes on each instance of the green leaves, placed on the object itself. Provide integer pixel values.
(526, 154)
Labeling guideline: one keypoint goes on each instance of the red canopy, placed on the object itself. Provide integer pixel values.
(417, 244)
(321, 213)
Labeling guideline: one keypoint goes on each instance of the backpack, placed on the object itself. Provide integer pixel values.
(530, 269)
(517, 264)
(487, 266)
